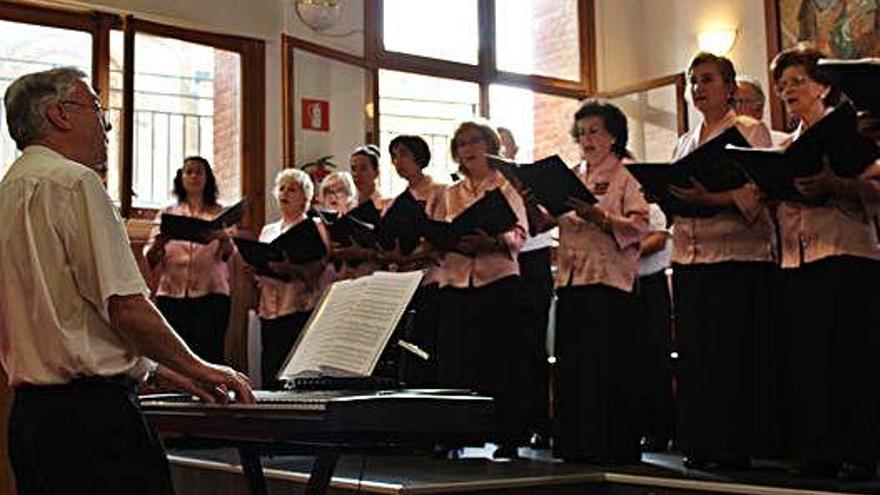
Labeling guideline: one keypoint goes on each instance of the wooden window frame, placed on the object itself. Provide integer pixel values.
(253, 83)
(484, 74)
(253, 110)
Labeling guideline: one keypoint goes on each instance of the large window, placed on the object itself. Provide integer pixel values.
(418, 27)
(523, 65)
(28, 48)
(539, 37)
(540, 123)
(187, 101)
(171, 92)
(427, 106)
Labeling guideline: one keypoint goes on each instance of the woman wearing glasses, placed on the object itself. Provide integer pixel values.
(830, 270)
(481, 343)
(722, 267)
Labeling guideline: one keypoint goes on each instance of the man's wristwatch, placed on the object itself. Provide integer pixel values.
(152, 379)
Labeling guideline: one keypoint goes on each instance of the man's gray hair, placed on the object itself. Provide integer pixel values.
(753, 81)
(28, 96)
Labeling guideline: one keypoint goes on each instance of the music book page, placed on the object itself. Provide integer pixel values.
(351, 326)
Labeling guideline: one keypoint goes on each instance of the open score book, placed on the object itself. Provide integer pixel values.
(350, 326)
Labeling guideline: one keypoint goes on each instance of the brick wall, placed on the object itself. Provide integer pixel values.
(227, 124)
(556, 54)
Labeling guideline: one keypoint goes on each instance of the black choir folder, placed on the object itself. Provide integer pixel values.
(302, 244)
(551, 181)
(858, 79)
(833, 139)
(708, 164)
(358, 226)
(399, 226)
(192, 229)
(492, 214)
(350, 326)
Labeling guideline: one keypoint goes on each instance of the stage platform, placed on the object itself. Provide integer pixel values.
(218, 472)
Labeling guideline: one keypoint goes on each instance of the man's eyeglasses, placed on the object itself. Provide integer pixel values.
(102, 111)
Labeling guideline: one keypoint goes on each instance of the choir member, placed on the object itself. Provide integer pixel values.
(536, 294)
(364, 163)
(193, 288)
(596, 309)
(284, 306)
(722, 267)
(338, 193)
(655, 311)
(830, 269)
(410, 155)
(481, 343)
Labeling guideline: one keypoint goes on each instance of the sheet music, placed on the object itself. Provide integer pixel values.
(351, 326)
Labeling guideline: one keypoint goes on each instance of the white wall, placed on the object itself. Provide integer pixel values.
(619, 31)
(644, 39)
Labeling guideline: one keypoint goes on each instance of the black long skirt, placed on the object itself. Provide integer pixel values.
(277, 336)
(726, 372)
(832, 322)
(655, 365)
(536, 294)
(200, 321)
(598, 388)
(482, 346)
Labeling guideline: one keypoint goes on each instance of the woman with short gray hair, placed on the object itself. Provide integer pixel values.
(285, 307)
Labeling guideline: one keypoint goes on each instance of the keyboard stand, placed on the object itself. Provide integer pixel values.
(319, 478)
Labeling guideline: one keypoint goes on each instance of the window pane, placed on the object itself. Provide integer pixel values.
(538, 37)
(187, 101)
(26, 48)
(446, 30)
(343, 88)
(540, 123)
(653, 122)
(426, 106)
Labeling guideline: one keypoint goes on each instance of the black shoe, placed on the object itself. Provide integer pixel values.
(692, 462)
(857, 471)
(653, 444)
(539, 442)
(505, 451)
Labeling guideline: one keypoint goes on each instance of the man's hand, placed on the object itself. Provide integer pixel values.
(166, 378)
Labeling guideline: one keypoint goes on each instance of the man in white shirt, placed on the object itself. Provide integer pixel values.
(76, 331)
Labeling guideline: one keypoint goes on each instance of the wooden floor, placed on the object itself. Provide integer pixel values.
(218, 472)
